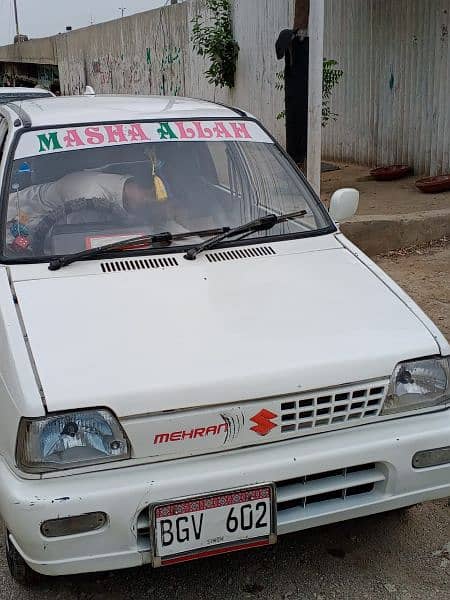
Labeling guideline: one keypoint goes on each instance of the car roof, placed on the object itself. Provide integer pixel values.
(24, 90)
(71, 110)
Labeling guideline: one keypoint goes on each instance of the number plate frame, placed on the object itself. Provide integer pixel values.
(225, 548)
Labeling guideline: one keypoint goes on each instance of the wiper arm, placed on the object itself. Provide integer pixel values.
(262, 224)
(165, 238)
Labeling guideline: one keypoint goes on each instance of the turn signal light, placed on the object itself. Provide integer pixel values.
(74, 525)
(431, 458)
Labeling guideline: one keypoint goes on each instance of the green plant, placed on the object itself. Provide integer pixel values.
(215, 41)
(331, 77)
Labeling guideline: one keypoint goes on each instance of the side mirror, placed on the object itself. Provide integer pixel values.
(344, 204)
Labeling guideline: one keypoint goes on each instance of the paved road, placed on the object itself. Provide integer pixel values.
(398, 556)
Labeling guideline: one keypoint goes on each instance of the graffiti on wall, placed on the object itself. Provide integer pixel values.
(161, 72)
(102, 70)
(171, 84)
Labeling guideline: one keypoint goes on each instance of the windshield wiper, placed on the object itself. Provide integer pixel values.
(262, 224)
(165, 239)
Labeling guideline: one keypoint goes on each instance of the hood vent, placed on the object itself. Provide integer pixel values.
(138, 264)
(240, 253)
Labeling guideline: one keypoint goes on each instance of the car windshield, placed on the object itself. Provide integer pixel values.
(16, 97)
(71, 189)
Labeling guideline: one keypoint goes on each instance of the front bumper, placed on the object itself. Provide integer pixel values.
(364, 470)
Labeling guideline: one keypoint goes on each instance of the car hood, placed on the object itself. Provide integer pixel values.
(206, 333)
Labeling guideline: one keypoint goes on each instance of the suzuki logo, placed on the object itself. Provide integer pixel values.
(263, 422)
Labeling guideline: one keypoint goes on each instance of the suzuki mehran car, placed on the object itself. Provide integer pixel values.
(194, 360)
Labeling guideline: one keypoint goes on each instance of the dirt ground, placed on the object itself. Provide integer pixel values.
(424, 272)
(382, 197)
(396, 556)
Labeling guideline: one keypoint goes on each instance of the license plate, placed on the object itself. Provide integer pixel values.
(204, 526)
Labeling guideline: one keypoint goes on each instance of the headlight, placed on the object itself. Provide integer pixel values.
(418, 384)
(70, 440)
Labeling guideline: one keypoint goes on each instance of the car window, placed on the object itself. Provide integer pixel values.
(78, 187)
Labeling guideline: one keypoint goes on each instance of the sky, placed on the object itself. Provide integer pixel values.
(39, 18)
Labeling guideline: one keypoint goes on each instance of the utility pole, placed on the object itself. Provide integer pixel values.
(122, 10)
(302, 50)
(314, 154)
(17, 21)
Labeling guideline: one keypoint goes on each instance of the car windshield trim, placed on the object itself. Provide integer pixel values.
(181, 249)
(9, 260)
(165, 238)
(265, 223)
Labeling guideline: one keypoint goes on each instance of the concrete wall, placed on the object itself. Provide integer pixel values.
(393, 102)
(40, 51)
(142, 54)
(151, 53)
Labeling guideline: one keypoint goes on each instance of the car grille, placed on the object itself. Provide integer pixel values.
(308, 496)
(260, 421)
(346, 405)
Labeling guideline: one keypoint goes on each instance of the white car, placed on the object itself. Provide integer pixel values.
(194, 360)
(13, 94)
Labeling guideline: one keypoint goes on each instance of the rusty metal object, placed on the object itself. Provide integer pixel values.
(390, 172)
(434, 185)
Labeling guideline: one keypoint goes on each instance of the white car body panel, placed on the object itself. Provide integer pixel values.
(239, 330)
(125, 494)
(224, 347)
(401, 294)
(18, 389)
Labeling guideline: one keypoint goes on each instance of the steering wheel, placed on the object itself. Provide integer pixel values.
(102, 205)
